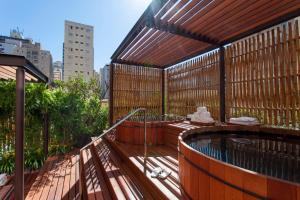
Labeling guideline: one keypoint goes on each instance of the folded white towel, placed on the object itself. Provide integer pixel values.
(244, 121)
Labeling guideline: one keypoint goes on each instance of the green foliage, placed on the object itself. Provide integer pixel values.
(7, 162)
(34, 159)
(75, 114)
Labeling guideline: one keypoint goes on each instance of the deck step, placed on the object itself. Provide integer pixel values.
(122, 182)
(104, 175)
(93, 183)
(160, 156)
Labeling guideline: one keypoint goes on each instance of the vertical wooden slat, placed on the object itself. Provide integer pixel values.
(262, 76)
(195, 83)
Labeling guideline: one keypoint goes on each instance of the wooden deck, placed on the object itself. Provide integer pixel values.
(158, 156)
(58, 179)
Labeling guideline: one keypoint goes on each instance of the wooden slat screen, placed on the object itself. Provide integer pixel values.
(192, 84)
(263, 76)
(135, 87)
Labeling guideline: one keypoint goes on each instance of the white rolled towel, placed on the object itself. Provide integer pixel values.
(244, 120)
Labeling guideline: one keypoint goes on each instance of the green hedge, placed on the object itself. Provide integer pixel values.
(75, 115)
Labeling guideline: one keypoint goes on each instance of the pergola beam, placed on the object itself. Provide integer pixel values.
(119, 61)
(170, 28)
(154, 7)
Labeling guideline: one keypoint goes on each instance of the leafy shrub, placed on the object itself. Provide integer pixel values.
(34, 159)
(75, 114)
(7, 162)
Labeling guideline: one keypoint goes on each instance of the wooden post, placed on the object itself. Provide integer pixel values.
(20, 107)
(111, 96)
(163, 112)
(222, 84)
(46, 134)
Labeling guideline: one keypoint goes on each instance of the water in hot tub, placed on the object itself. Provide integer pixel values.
(269, 155)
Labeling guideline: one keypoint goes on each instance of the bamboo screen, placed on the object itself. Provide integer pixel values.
(192, 84)
(135, 87)
(263, 76)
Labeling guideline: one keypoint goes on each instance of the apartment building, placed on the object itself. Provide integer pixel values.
(16, 45)
(78, 51)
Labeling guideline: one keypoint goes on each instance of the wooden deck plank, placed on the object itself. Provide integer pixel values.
(66, 185)
(72, 192)
(55, 180)
(86, 156)
(61, 178)
(36, 184)
(51, 180)
(43, 181)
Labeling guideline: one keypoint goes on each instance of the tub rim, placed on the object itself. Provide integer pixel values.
(186, 133)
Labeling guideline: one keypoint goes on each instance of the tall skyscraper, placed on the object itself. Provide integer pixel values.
(78, 51)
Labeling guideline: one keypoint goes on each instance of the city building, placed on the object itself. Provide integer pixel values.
(78, 51)
(104, 81)
(16, 45)
(57, 71)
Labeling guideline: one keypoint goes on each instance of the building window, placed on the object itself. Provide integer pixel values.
(81, 42)
(88, 30)
(76, 64)
(77, 27)
(71, 49)
(81, 57)
(76, 49)
(81, 36)
(82, 29)
(88, 73)
(71, 27)
(76, 34)
(81, 49)
(76, 42)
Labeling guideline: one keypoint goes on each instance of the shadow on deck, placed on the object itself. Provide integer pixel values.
(58, 179)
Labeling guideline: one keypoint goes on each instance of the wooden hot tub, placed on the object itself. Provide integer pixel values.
(211, 168)
(132, 132)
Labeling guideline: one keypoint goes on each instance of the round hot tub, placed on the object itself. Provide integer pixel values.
(132, 132)
(238, 162)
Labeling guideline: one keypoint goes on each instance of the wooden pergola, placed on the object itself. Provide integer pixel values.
(173, 31)
(18, 68)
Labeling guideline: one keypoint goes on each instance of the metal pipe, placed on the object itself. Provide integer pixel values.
(19, 152)
(145, 135)
(115, 125)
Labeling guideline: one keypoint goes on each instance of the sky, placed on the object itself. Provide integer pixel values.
(43, 21)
